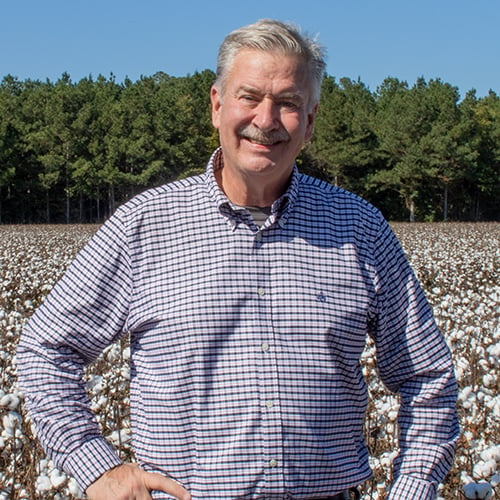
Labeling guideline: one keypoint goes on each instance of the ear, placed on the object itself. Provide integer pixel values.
(310, 123)
(216, 100)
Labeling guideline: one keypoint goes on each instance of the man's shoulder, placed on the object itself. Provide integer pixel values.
(178, 191)
(317, 191)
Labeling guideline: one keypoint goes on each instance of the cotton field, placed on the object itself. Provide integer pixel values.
(458, 265)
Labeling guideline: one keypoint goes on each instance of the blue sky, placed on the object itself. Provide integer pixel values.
(455, 40)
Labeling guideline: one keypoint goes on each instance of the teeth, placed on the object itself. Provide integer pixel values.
(262, 143)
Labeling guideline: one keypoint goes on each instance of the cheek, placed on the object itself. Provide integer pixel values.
(228, 118)
(297, 129)
(293, 122)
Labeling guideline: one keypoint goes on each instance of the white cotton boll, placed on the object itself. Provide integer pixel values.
(374, 463)
(23, 495)
(10, 401)
(11, 421)
(114, 437)
(465, 478)
(465, 393)
(43, 483)
(102, 401)
(125, 435)
(495, 407)
(386, 459)
(392, 414)
(4, 399)
(14, 402)
(489, 380)
(95, 384)
(460, 372)
(74, 489)
(43, 464)
(484, 469)
(468, 435)
(125, 372)
(494, 350)
(491, 453)
(113, 354)
(122, 436)
(468, 404)
(57, 478)
(467, 397)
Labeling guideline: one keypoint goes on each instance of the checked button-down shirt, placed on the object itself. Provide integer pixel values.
(245, 345)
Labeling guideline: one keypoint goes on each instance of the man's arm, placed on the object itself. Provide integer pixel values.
(84, 313)
(414, 361)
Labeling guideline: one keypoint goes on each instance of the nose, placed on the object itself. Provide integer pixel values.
(266, 115)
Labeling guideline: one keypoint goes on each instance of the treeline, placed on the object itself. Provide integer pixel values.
(72, 151)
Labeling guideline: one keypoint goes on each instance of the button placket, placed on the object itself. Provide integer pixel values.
(268, 378)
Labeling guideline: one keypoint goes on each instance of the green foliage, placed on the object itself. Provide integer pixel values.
(344, 140)
(73, 151)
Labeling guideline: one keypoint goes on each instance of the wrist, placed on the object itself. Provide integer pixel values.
(90, 461)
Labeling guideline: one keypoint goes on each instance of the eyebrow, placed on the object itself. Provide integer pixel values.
(282, 95)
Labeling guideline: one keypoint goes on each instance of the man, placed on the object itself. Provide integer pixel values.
(248, 293)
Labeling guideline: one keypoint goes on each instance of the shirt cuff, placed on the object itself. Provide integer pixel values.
(412, 488)
(90, 461)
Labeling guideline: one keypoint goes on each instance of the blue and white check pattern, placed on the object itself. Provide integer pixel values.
(245, 345)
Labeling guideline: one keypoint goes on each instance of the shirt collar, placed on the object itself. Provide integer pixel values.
(280, 209)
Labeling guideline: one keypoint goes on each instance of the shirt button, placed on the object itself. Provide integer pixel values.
(258, 236)
(265, 347)
(261, 291)
(269, 404)
(273, 463)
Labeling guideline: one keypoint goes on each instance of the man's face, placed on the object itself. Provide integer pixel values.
(263, 115)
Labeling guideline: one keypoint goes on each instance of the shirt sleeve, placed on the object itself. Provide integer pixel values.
(85, 312)
(414, 360)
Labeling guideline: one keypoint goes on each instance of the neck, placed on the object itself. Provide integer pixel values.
(250, 191)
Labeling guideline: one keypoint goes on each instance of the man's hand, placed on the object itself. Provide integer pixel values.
(130, 482)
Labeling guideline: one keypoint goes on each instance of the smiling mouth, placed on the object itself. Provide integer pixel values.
(260, 142)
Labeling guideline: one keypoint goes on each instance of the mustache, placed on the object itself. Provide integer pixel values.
(254, 134)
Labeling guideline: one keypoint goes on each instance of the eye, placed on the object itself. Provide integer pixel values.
(289, 105)
(248, 99)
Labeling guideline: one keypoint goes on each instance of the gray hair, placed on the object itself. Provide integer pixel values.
(269, 35)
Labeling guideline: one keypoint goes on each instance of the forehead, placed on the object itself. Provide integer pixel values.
(274, 70)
